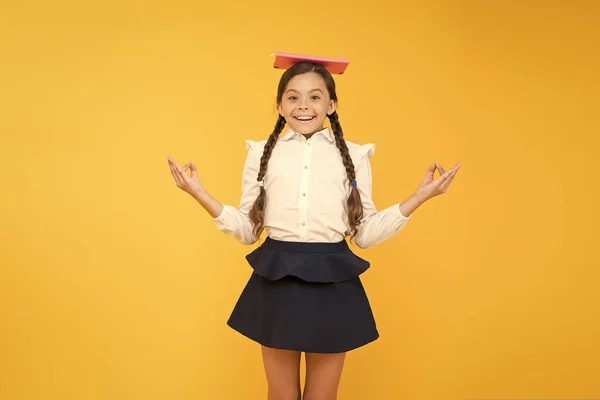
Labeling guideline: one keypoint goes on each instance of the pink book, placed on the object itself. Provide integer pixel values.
(333, 65)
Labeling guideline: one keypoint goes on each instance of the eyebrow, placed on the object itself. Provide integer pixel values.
(313, 90)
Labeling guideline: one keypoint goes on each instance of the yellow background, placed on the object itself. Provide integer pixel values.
(116, 285)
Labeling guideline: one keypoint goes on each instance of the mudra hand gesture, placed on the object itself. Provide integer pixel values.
(429, 187)
(188, 183)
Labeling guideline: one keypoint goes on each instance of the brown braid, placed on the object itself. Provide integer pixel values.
(354, 202)
(257, 213)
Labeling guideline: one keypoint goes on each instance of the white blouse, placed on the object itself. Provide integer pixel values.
(307, 189)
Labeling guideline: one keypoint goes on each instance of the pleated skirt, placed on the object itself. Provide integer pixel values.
(305, 297)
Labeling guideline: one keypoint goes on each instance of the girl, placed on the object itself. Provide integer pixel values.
(309, 189)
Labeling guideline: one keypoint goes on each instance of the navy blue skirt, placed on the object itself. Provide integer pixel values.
(305, 297)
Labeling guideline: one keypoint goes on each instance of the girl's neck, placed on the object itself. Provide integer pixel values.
(309, 135)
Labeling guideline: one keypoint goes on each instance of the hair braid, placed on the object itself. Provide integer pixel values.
(354, 203)
(257, 213)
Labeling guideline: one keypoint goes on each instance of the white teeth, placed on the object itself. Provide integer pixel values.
(304, 118)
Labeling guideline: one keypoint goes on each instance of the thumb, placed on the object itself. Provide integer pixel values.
(193, 170)
(430, 171)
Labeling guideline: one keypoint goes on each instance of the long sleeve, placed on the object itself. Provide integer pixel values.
(236, 221)
(375, 226)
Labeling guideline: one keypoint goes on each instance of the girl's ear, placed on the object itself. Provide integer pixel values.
(279, 109)
(332, 107)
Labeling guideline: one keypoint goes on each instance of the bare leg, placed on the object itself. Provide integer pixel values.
(282, 368)
(323, 373)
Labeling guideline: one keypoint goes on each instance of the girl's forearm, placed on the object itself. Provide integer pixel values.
(210, 204)
(409, 205)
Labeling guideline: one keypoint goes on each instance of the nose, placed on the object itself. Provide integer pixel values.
(302, 105)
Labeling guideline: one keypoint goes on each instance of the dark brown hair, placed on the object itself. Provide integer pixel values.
(354, 203)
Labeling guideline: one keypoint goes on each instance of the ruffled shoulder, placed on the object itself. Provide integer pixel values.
(358, 151)
(256, 147)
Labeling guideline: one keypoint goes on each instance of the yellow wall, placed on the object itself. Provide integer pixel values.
(116, 285)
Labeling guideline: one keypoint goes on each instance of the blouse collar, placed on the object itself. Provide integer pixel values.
(326, 132)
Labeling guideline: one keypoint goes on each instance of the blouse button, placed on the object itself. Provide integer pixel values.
(306, 167)
(308, 143)
(304, 223)
(303, 194)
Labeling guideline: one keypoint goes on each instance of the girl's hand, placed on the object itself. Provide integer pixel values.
(189, 184)
(430, 188)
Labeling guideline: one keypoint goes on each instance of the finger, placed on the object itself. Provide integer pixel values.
(186, 166)
(171, 160)
(182, 175)
(172, 163)
(193, 170)
(440, 168)
(178, 174)
(447, 183)
(175, 174)
(440, 181)
(430, 172)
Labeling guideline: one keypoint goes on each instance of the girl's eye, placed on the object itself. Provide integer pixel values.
(316, 97)
(292, 98)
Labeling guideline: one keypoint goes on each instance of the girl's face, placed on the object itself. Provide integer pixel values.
(305, 103)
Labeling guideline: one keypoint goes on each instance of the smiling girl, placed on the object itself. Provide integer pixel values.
(309, 189)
